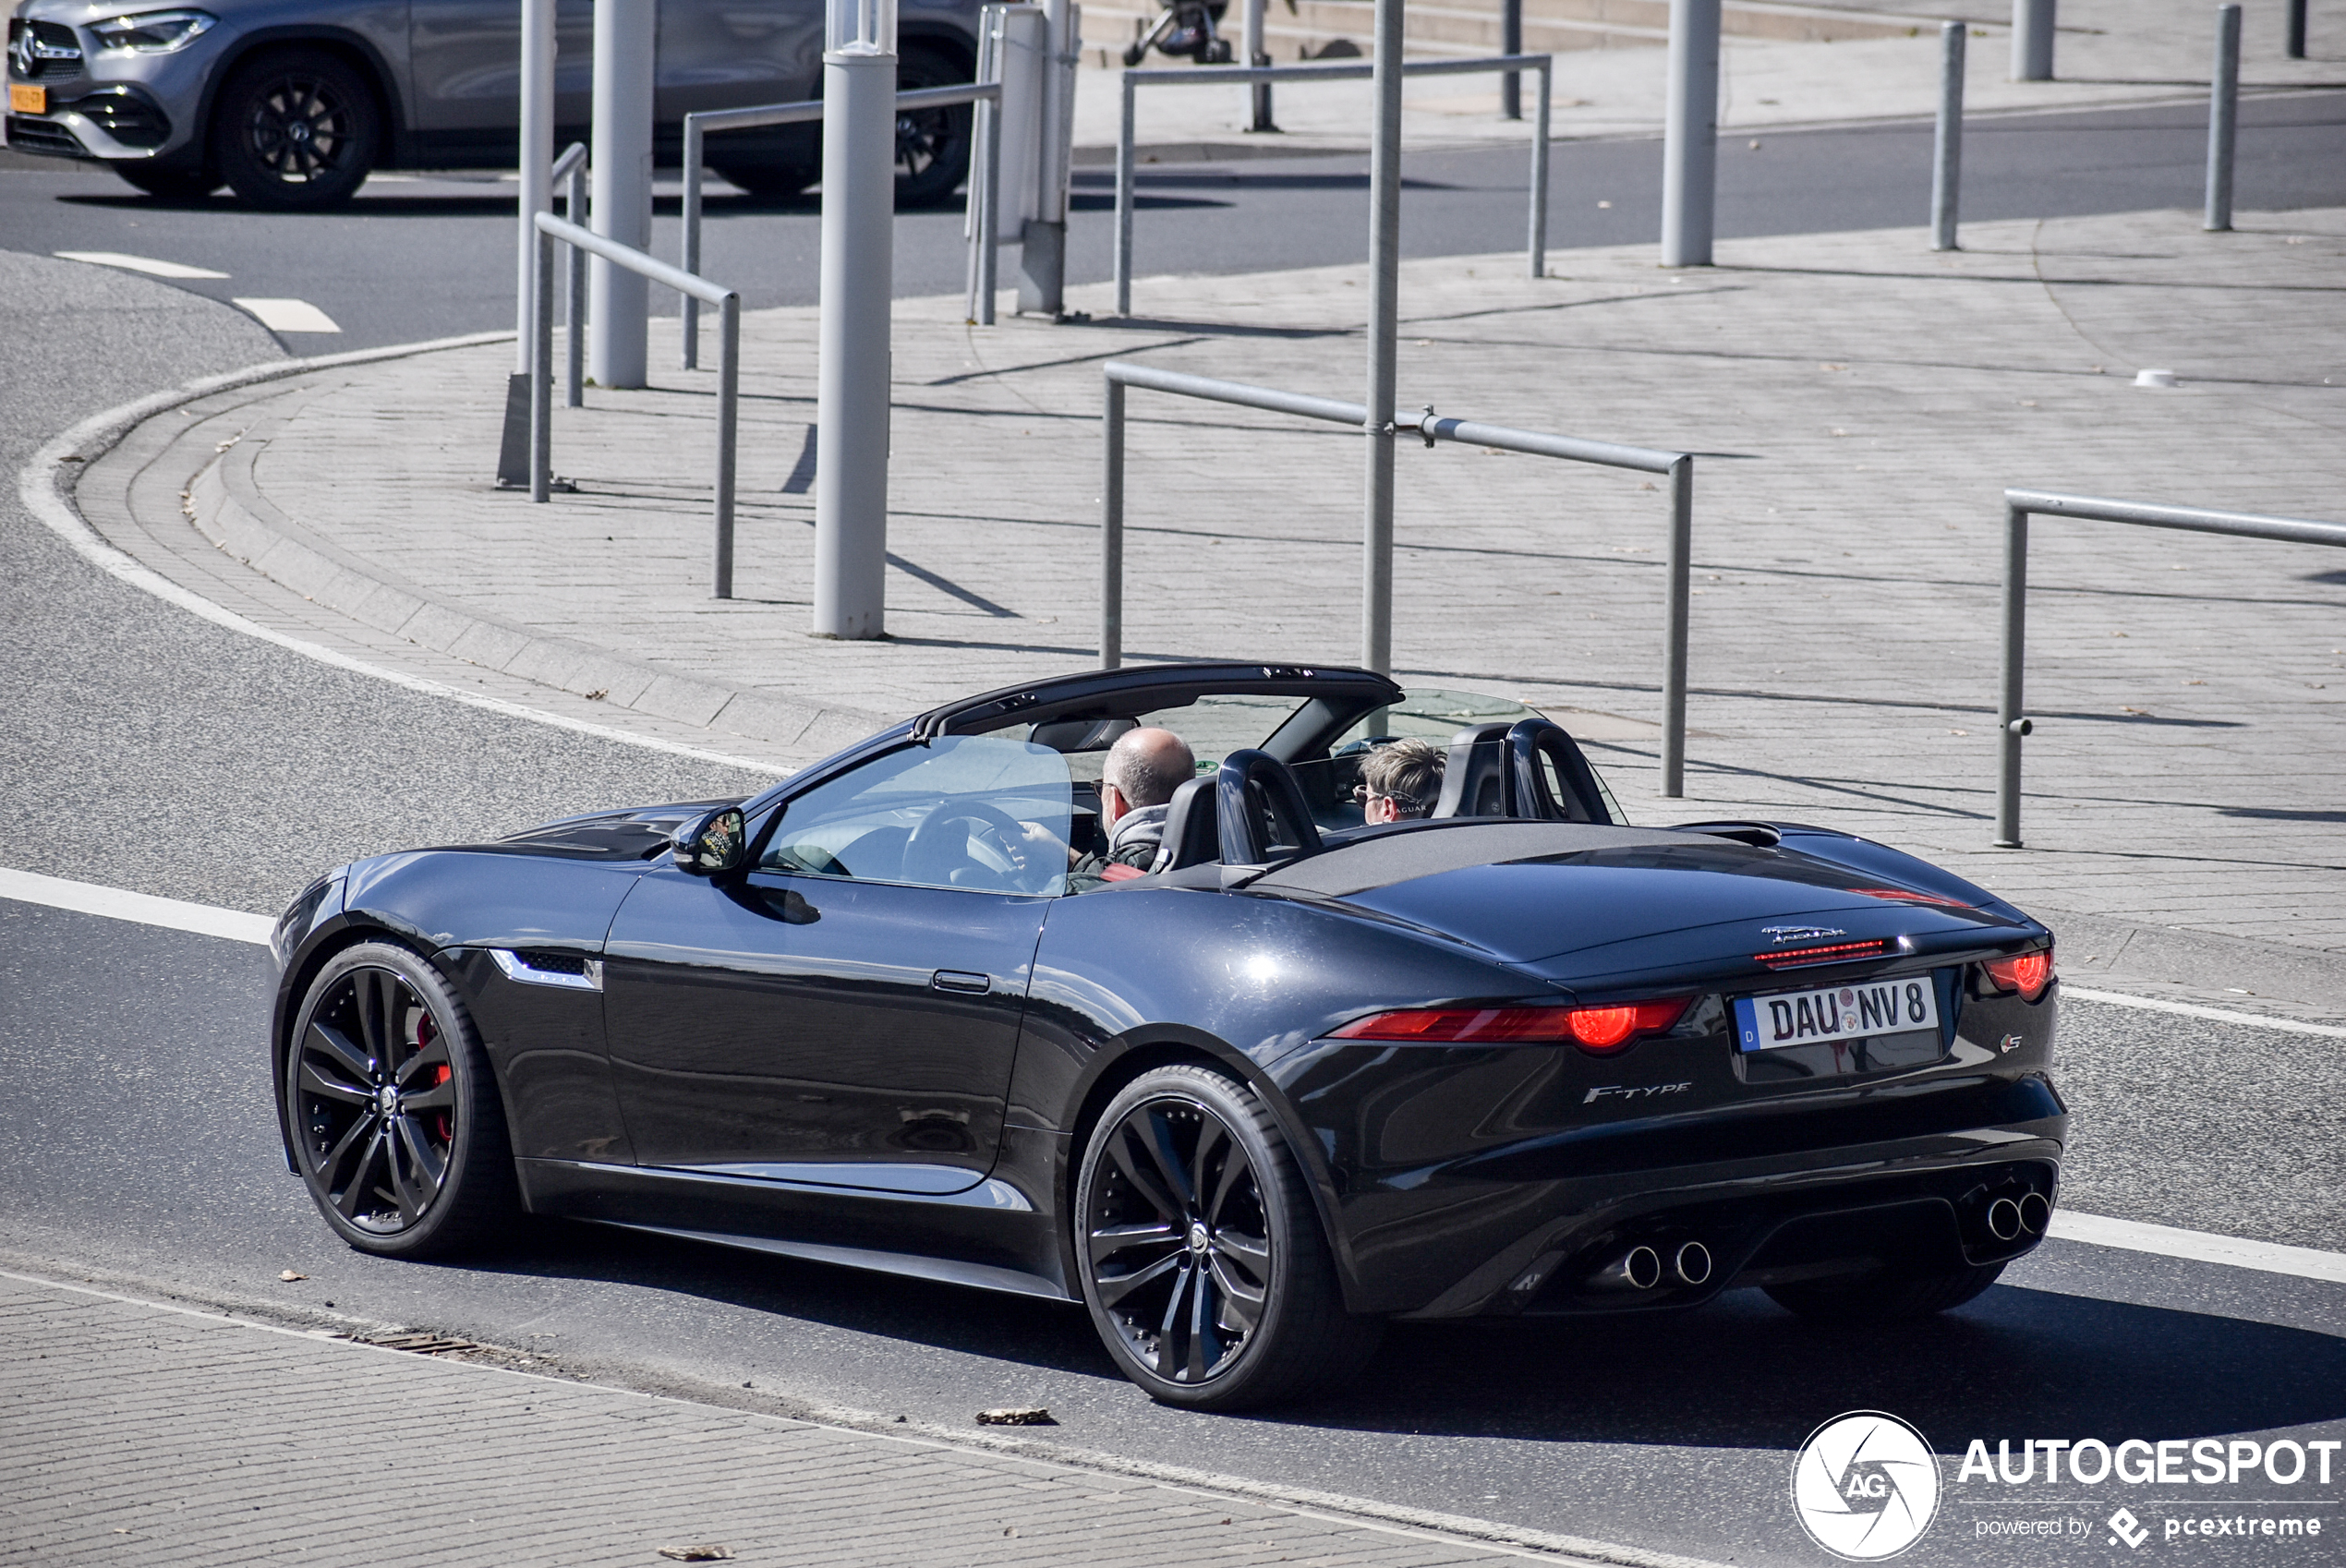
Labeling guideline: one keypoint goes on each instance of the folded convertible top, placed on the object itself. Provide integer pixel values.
(1427, 850)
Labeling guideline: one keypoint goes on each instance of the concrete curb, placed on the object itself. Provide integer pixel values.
(48, 486)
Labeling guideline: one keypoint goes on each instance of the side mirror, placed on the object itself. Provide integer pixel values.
(710, 843)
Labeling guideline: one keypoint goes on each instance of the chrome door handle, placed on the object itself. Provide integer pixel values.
(961, 980)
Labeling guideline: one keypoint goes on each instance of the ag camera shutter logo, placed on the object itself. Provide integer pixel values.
(1865, 1485)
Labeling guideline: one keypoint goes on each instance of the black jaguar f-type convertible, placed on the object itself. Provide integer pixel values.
(1299, 1076)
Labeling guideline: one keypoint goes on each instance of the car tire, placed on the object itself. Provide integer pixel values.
(932, 145)
(296, 131)
(398, 1130)
(1171, 1278)
(1890, 1296)
(170, 183)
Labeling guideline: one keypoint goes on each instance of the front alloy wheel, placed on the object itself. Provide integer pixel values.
(296, 131)
(1203, 1260)
(397, 1129)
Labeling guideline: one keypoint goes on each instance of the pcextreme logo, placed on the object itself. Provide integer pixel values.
(1865, 1485)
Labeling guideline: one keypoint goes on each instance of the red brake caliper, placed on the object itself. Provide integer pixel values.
(444, 1124)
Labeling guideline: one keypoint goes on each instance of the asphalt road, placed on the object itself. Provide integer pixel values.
(446, 242)
(144, 748)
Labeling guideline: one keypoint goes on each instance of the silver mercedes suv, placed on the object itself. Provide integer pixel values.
(291, 103)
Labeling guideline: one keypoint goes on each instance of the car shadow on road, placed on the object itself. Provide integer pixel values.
(1738, 1373)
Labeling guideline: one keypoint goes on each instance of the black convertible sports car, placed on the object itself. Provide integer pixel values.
(1301, 1076)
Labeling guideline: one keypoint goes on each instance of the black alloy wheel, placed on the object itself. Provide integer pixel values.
(296, 131)
(932, 145)
(396, 1124)
(1888, 1295)
(1202, 1257)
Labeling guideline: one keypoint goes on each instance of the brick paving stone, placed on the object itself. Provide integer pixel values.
(132, 1433)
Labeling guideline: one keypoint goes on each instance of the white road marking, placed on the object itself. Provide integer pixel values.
(144, 908)
(2194, 1010)
(44, 489)
(2199, 1246)
(289, 315)
(146, 264)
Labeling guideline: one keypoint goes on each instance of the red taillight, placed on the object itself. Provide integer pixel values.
(1910, 896)
(1593, 1029)
(2027, 973)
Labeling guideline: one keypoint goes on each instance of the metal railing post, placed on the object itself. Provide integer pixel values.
(1511, 43)
(729, 405)
(989, 234)
(2032, 40)
(2296, 29)
(688, 247)
(2012, 724)
(1539, 172)
(1673, 669)
(1690, 135)
(1384, 303)
(1946, 165)
(2223, 120)
(1112, 530)
(542, 371)
(1256, 54)
(574, 305)
(1124, 202)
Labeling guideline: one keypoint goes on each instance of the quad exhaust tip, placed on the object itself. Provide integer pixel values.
(1638, 1268)
(2004, 1219)
(1692, 1262)
(2035, 1213)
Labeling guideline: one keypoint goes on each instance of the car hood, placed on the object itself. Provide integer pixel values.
(634, 834)
(1668, 899)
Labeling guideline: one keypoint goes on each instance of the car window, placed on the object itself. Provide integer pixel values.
(1214, 727)
(984, 812)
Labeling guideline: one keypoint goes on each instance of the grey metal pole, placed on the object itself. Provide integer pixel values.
(1384, 313)
(1256, 54)
(1540, 174)
(977, 224)
(1124, 203)
(2011, 722)
(1112, 531)
(1042, 250)
(729, 406)
(620, 320)
(574, 307)
(1673, 669)
(688, 242)
(853, 372)
(1690, 134)
(540, 345)
(2223, 120)
(537, 155)
(1511, 43)
(1946, 167)
(989, 234)
(2296, 29)
(2032, 40)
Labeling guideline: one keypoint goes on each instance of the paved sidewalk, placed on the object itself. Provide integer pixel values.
(138, 1433)
(2107, 52)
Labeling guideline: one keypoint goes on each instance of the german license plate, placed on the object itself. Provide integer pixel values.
(1836, 1012)
(26, 99)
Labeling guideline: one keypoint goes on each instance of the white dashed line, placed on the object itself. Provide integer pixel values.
(289, 315)
(2198, 1246)
(2194, 1010)
(146, 264)
(145, 909)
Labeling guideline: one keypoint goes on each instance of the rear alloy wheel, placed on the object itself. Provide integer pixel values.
(296, 131)
(397, 1127)
(1889, 1294)
(1203, 1260)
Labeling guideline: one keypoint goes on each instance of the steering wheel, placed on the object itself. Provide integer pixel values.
(934, 852)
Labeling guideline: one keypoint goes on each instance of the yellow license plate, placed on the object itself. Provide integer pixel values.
(26, 99)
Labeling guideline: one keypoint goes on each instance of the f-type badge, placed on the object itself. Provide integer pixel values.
(1783, 933)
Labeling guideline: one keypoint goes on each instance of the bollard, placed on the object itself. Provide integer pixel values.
(2296, 29)
(619, 320)
(728, 409)
(1674, 666)
(1690, 136)
(688, 239)
(1946, 167)
(1384, 301)
(541, 365)
(537, 152)
(2010, 723)
(1511, 43)
(574, 305)
(1539, 172)
(2223, 120)
(1256, 54)
(1112, 531)
(2032, 40)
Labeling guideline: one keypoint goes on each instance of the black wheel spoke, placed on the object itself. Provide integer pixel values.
(349, 1056)
(1121, 1152)
(355, 1191)
(1241, 1298)
(1159, 1143)
(1114, 1241)
(426, 1165)
(439, 1097)
(432, 1053)
(366, 988)
(1173, 1332)
(315, 1082)
(1116, 1287)
(1205, 1345)
(330, 1164)
(1252, 1252)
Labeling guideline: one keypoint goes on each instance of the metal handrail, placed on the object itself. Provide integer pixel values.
(800, 112)
(571, 166)
(2012, 722)
(1432, 427)
(1510, 66)
(542, 421)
